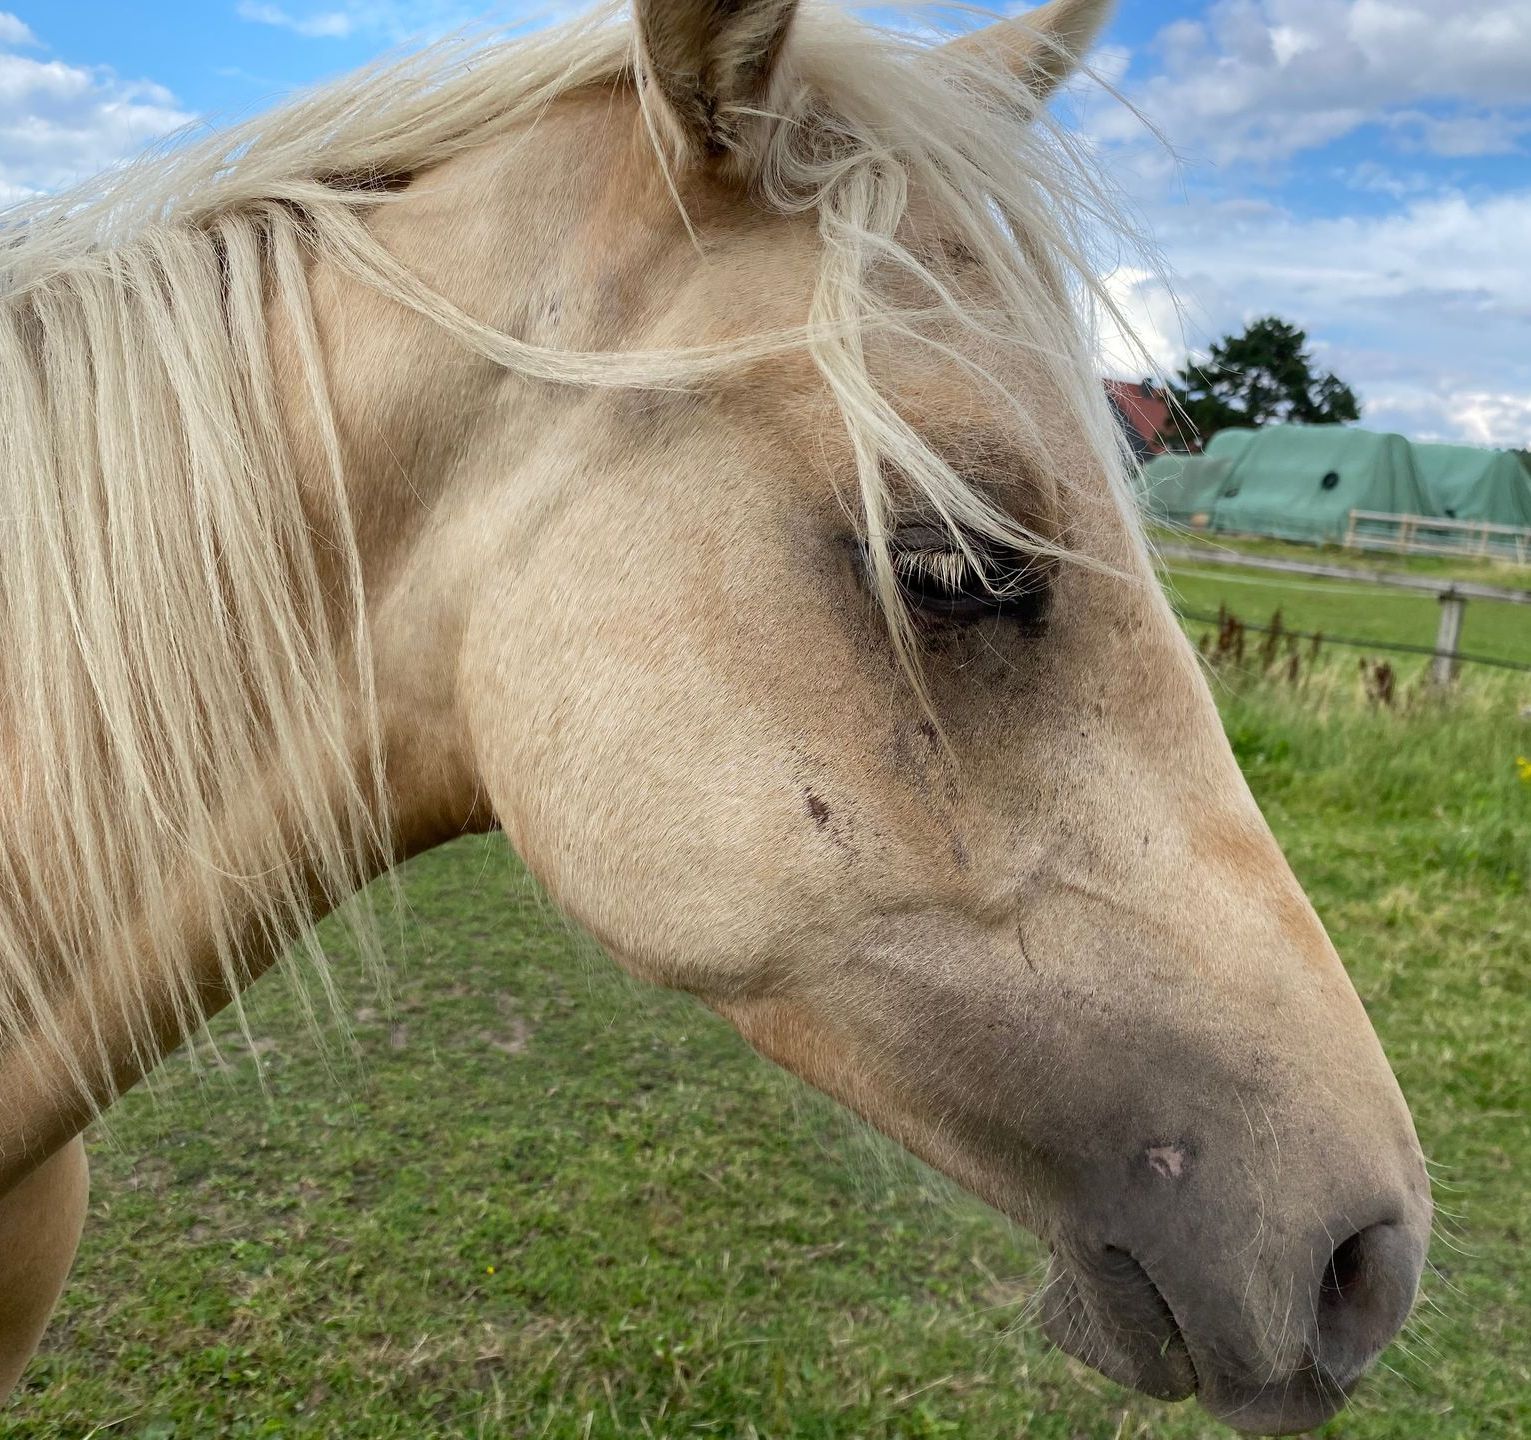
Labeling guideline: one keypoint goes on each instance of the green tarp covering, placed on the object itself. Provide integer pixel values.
(1469, 484)
(1184, 488)
(1300, 482)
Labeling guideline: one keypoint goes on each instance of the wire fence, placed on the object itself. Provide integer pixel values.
(1453, 594)
(1352, 642)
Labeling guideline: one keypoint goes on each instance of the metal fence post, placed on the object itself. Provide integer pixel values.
(1443, 669)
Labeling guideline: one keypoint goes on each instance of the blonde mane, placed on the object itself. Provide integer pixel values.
(178, 617)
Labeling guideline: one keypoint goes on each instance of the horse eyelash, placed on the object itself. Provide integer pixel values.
(949, 568)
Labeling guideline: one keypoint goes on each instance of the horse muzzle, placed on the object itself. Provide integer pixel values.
(1170, 1332)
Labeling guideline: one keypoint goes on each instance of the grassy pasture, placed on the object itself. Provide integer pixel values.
(1360, 611)
(529, 1198)
(1335, 608)
(1483, 570)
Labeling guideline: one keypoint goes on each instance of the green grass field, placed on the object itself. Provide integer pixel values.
(1359, 610)
(1456, 567)
(530, 1198)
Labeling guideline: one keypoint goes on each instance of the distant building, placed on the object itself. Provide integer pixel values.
(1146, 418)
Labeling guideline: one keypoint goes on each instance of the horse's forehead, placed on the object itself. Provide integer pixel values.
(588, 245)
(623, 221)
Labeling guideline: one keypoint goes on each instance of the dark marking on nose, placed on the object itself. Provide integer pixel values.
(1171, 1161)
(817, 808)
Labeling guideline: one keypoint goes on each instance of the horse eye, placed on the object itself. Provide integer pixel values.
(941, 584)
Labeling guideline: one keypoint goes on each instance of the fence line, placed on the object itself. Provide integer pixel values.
(1478, 537)
(1464, 589)
(1401, 647)
(1453, 595)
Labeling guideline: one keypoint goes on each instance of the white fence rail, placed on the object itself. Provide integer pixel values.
(1436, 535)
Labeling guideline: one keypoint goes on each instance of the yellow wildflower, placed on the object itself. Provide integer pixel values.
(1523, 765)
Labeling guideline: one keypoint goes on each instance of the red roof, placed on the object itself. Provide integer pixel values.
(1144, 409)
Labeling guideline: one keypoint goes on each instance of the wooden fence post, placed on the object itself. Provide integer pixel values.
(1443, 669)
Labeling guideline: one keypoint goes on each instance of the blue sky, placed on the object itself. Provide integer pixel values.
(1362, 167)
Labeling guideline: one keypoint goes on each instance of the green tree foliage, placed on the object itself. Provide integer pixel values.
(1264, 376)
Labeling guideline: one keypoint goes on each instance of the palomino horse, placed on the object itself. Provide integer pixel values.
(678, 444)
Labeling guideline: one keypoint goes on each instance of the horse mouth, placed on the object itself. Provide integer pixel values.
(1103, 1308)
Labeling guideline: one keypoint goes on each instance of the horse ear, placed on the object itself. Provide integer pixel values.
(1043, 47)
(710, 64)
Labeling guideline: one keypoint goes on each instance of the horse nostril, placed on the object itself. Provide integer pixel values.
(1364, 1295)
(1343, 1273)
(1360, 1292)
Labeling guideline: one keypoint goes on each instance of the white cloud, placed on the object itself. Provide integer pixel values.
(14, 32)
(1493, 419)
(1372, 177)
(1258, 81)
(1466, 253)
(60, 123)
(1426, 310)
(1476, 416)
(1147, 335)
(391, 21)
(1463, 134)
(325, 24)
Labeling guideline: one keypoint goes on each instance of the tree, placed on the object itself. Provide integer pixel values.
(1261, 377)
